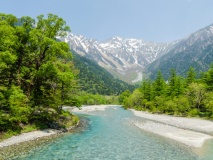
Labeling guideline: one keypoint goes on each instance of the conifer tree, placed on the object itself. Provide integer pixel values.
(190, 76)
(147, 89)
(159, 85)
(208, 78)
(172, 83)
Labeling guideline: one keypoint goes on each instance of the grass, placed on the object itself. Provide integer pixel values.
(24, 129)
(66, 120)
(29, 128)
(8, 134)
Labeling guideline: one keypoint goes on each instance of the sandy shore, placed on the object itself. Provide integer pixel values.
(91, 108)
(194, 124)
(28, 137)
(189, 131)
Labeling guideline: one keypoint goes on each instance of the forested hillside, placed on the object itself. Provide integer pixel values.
(198, 59)
(195, 50)
(177, 96)
(96, 80)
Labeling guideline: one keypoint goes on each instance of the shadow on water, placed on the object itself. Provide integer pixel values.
(83, 125)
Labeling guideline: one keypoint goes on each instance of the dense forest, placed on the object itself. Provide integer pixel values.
(178, 96)
(96, 80)
(37, 75)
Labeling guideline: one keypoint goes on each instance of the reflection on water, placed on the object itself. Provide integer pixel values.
(110, 135)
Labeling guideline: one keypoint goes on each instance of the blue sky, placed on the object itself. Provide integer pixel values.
(152, 20)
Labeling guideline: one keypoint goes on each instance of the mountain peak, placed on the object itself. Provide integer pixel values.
(194, 50)
(117, 38)
(120, 56)
(127, 58)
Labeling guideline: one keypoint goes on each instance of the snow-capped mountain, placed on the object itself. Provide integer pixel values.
(121, 57)
(195, 50)
(129, 59)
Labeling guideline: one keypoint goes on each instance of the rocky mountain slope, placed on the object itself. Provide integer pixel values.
(131, 59)
(196, 50)
(123, 58)
(96, 80)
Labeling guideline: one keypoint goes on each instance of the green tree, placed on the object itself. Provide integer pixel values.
(180, 86)
(123, 97)
(135, 100)
(147, 89)
(159, 85)
(208, 103)
(37, 75)
(196, 94)
(208, 78)
(190, 76)
(173, 83)
(159, 103)
(183, 105)
(170, 107)
(176, 85)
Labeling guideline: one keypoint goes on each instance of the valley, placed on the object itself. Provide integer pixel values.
(106, 80)
(123, 58)
(127, 59)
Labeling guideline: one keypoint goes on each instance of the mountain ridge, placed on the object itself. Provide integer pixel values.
(195, 50)
(96, 80)
(131, 59)
(122, 57)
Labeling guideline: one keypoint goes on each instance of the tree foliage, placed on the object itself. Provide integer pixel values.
(179, 96)
(36, 72)
(96, 80)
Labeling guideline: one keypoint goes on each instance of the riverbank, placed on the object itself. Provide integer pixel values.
(25, 142)
(35, 135)
(188, 131)
(88, 108)
(15, 150)
(108, 135)
(28, 137)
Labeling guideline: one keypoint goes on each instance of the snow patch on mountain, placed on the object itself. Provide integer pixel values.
(139, 77)
(118, 54)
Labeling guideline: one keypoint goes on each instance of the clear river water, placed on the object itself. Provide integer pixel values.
(110, 135)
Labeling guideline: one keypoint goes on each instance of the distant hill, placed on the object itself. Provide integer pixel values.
(95, 79)
(195, 50)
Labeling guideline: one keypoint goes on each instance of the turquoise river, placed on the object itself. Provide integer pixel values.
(111, 135)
